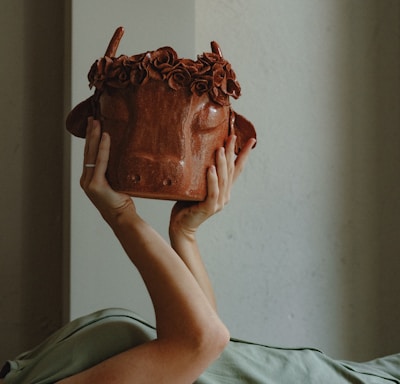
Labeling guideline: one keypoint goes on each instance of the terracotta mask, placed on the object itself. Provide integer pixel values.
(166, 117)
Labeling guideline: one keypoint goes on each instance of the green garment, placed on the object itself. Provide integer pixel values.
(91, 339)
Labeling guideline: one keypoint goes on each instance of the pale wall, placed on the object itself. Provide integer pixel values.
(313, 254)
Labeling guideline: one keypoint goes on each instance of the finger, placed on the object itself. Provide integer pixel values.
(103, 155)
(91, 149)
(242, 158)
(223, 178)
(86, 149)
(211, 200)
(88, 130)
(230, 157)
(94, 141)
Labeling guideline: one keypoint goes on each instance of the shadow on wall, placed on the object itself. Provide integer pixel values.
(371, 305)
(42, 168)
(31, 221)
(388, 179)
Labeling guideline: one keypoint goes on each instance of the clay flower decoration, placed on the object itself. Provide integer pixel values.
(210, 73)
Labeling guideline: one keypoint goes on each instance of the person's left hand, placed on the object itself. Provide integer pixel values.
(93, 180)
(186, 217)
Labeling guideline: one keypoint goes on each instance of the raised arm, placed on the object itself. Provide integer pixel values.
(189, 333)
(186, 218)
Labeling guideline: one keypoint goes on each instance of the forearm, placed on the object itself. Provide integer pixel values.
(186, 246)
(180, 305)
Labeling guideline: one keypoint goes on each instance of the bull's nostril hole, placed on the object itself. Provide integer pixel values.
(136, 178)
(167, 182)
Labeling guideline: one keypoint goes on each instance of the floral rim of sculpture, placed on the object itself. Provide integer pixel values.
(210, 73)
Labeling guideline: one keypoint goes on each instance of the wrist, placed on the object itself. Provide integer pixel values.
(121, 216)
(177, 233)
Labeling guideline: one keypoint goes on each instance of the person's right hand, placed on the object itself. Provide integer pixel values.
(93, 180)
(186, 217)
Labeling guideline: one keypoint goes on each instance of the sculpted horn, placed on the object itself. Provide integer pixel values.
(114, 42)
(216, 49)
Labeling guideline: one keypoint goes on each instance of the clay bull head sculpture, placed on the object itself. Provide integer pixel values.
(166, 117)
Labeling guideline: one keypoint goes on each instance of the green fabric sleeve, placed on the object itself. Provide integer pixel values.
(79, 345)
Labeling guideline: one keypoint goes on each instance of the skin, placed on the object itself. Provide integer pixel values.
(190, 335)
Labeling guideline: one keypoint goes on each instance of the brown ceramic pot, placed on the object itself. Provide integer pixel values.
(166, 117)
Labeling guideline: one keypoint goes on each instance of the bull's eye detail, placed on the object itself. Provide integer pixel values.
(210, 117)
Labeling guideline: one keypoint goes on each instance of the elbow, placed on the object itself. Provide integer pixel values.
(222, 338)
(213, 340)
